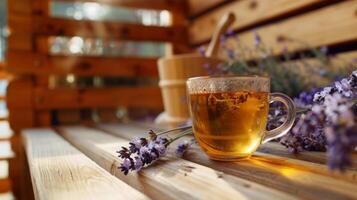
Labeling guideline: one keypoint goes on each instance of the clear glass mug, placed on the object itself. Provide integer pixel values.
(229, 114)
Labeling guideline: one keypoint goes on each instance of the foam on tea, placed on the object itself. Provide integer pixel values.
(229, 123)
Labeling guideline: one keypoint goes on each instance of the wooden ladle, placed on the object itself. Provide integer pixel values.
(225, 22)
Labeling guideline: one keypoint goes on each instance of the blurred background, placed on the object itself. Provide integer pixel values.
(94, 61)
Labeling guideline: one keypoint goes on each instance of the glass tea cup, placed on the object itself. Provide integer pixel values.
(229, 114)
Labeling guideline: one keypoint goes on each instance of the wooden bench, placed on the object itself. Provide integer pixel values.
(78, 166)
(60, 171)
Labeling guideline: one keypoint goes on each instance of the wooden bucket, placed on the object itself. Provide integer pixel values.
(174, 72)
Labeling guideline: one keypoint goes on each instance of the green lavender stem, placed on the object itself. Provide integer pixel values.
(184, 133)
(175, 129)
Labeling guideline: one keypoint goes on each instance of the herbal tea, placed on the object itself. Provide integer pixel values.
(229, 124)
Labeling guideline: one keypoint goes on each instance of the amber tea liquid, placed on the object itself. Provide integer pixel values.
(229, 124)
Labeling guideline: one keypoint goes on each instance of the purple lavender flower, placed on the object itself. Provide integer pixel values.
(126, 166)
(136, 144)
(145, 155)
(344, 87)
(320, 96)
(229, 33)
(202, 51)
(257, 39)
(138, 164)
(124, 152)
(305, 99)
(339, 146)
(183, 147)
(307, 134)
(143, 152)
(347, 87)
(230, 53)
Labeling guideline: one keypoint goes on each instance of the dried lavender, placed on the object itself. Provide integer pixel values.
(289, 76)
(183, 147)
(144, 151)
(330, 124)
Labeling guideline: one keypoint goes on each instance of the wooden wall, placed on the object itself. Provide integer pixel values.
(31, 100)
(318, 23)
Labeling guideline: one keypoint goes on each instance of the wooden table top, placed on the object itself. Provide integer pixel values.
(83, 165)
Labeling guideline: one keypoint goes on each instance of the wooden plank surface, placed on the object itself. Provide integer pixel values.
(23, 62)
(63, 98)
(94, 29)
(60, 171)
(247, 13)
(19, 7)
(298, 179)
(199, 6)
(312, 161)
(171, 178)
(143, 4)
(336, 24)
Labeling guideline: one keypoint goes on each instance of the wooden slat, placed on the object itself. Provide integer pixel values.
(247, 12)
(20, 42)
(290, 178)
(21, 118)
(5, 185)
(63, 98)
(22, 62)
(19, 7)
(59, 171)
(171, 178)
(331, 25)
(95, 29)
(19, 93)
(199, 6)
(153, 4)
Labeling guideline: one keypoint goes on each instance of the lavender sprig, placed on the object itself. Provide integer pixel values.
(183, 147)
(330, 124)
(144, 151)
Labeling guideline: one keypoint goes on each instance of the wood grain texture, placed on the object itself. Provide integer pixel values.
(298, 179)
(85, 28)
(247, 12)
(20, 42)
(272, 151)
(170, 178)
(63, 98)
(24, 62)
(153, 4)
(330, 25)
(19, 7)
(199, 6)
(59, 171)
(19, 89)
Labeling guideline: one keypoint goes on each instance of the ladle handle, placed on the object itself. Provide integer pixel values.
(221, 28)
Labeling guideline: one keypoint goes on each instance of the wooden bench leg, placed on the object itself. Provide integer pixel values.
(19, 171)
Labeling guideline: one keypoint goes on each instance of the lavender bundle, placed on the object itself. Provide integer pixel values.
(330, 124)
(291, 73)
(144, 151)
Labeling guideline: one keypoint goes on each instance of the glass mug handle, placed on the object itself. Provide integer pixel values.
(286, 126)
